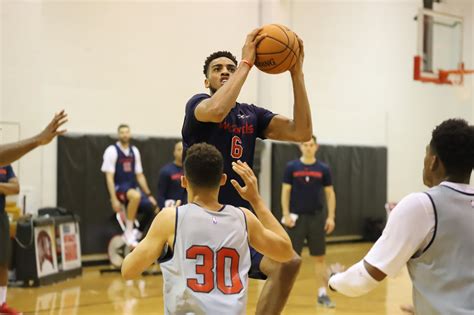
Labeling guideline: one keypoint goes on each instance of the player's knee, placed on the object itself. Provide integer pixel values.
(133, 194)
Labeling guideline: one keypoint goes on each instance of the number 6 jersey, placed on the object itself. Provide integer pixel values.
(234, 137)
(206, 271)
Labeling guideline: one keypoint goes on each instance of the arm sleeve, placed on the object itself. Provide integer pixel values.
(138, 161)
(109, 160)
(288, 175)
(353, 282)
(264, 117)
(10, 172)
(409, 226)
(163, 182)
(327, 177)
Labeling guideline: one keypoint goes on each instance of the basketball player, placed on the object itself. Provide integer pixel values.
(9, 185)
(11, 152)
(431, 232)
(301, 193)
(205, 269)
(170, 192)
(218, 119)
(123, 170)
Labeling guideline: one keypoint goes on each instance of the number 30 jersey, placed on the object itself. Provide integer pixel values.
(206, 271)
(234, 137)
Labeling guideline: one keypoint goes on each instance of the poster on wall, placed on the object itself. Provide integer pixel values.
(70, 245)
(46, 260)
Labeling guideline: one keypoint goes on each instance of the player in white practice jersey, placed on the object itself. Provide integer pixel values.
(206, 257)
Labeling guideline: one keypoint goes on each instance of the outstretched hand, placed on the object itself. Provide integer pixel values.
(250, 191)
(52, 129)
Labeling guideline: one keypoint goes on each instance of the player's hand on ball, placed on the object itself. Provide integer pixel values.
(249, 51)
(52, 129)
(329, 226)
(250, 191)
(298, 67)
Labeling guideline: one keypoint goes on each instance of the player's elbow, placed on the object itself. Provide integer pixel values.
(303, 136)
(286, 253)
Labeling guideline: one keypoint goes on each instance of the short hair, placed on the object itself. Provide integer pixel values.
(453, 142)
(123, 126)
(203, 165)
(314, 138)
(216, 55)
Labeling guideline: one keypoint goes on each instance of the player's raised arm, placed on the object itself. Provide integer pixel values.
(150, 248)
(266, 235)
(300, 128)
(231, 76)
(13, 151)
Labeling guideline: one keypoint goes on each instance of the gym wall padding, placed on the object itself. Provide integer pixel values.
(359, 175)
(81, 185)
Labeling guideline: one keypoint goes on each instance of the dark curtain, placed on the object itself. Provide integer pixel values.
(81, 185)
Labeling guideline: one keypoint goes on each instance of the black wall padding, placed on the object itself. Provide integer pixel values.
(81, 185)
(359, 175)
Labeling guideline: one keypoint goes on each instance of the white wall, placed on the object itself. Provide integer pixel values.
(109, 62)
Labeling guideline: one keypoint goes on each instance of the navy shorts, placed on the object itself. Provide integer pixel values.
(256, 259)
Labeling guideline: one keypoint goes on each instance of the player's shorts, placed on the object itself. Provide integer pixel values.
(121, 192)
(256, 259)
(309, 227)
(4, 238)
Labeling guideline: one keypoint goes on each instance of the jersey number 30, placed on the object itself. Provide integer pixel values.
(206, 269)
(236, 150)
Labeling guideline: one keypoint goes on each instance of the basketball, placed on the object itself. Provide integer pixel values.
(279, 51)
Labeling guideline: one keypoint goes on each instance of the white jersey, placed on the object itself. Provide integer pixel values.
(208, 270)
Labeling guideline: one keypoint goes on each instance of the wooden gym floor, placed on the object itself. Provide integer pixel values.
(94, 293)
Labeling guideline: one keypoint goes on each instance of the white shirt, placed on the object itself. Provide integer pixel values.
(408, 232)
(110, 158)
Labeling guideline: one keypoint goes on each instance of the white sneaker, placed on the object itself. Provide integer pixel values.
(129, 238)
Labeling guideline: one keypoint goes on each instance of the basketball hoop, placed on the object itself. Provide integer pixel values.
(460, 79)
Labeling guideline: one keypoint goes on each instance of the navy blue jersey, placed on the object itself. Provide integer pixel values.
(169, 184)
(307, 182)
(124, 176)
(6, 173)
(235, 138)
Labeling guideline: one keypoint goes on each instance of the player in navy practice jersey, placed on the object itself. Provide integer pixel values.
(170, 192)
(217, 118)
(123, 170)
(303, 185)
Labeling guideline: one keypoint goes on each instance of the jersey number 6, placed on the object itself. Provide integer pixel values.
(206, 269)
(236, 149)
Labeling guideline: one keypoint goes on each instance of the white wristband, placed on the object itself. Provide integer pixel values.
(353, 282)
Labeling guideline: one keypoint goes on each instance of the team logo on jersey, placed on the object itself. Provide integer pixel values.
(242, 116)
(214, 220)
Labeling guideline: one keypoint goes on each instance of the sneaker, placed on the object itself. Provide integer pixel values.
(5, 309)
(129, 238)
(325, 301)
